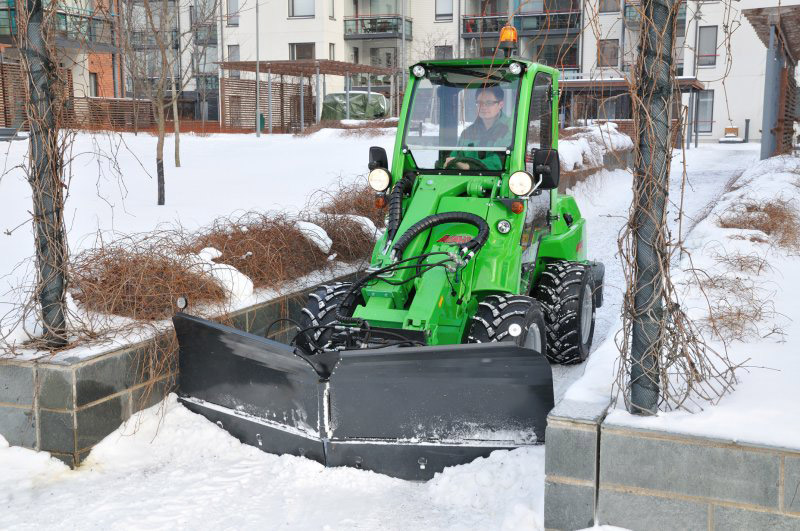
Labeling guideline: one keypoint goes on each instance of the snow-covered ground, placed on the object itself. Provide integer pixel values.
(188, 473)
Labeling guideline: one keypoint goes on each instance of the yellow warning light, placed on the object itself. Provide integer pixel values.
(508, 35)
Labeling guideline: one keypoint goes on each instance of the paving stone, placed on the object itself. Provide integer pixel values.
(634, 511)
(142, 398)
(67, 459)
(260, 318)
(56, 431)
(18, 426)
(16, 383)
(722, 473)
(571, 452)
(108, 375)
(95, 422)
(733, 519)
(568, 506)
(55, 388)
(791, 484)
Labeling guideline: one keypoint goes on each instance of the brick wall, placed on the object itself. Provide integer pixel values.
(101, 64)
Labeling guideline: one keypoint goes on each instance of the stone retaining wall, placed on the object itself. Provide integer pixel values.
(66, 405)
(644, 479)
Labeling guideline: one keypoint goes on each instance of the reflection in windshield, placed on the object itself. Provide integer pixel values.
(462, 118)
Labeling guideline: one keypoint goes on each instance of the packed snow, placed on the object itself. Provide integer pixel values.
(759, 410)
(169, 468)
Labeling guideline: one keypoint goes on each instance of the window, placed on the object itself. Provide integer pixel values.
(705, 111)
(609, 6)
(301, 50)
(93, 87)
(355, 56)
(233, 12)
(301, 8)
(608, 53)
(233, 55)
(444, 9)
(707, 46)
(540, 136)
(332, 51)
(443, 52)
(332, 14)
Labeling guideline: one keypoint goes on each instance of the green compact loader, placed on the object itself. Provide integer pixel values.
(440, 352)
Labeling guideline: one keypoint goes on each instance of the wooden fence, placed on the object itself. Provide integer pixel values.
(239, 104)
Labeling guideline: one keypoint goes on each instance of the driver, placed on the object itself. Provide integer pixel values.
(490, 129)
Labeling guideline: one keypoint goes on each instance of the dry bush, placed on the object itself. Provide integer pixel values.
(777, 218)
(139, 277)
(355, 198)
(746, 263)
(352, 240)
(738, 308)
(268, 248)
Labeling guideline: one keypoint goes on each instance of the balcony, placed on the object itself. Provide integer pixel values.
(143, 40)
(527, 24)
(376, 27)
(73, 28)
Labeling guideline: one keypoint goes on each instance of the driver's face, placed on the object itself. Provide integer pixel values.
(488, 106)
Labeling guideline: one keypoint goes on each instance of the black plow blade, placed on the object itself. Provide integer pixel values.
(406, 412)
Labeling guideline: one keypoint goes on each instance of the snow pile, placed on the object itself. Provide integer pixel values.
(168, 468)
(756, 412)
(585, 147)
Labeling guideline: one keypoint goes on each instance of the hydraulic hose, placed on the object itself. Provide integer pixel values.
(471, 247)
(402, 187)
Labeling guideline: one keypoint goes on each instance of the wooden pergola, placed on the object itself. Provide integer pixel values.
(305, 69)
(779, 30)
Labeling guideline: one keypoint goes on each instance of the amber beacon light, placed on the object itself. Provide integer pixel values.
(508, 38)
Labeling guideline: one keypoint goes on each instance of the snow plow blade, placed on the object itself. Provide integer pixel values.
(407, 412)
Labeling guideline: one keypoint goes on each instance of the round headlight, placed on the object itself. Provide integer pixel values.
(379, 179)
(515, 68)
(503, 226)
(418, 71)
(520, 183)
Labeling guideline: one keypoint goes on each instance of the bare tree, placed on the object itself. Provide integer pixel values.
(155, 46)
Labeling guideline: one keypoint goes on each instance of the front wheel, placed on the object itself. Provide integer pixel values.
(511, 318)
(565, 290)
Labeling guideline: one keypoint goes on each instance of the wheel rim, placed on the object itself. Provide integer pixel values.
(586, 315)
(533, 340)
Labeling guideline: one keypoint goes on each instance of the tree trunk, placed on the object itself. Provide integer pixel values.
(160, 146)
(176, 121)
(651, 187)
(45, 180)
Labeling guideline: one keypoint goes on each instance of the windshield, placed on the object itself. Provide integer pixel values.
(462, 118)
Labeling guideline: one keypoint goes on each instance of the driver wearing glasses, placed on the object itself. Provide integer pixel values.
(490, 129)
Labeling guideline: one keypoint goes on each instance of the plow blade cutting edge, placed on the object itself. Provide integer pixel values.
(407, 412)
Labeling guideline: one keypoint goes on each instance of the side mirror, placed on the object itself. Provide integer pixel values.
(546, 165)
(377, 158)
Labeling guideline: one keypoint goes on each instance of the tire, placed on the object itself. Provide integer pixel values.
(565, 290)
(511, 318)
(321, 310)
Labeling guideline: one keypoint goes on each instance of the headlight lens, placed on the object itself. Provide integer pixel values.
(379, 179)
(418, 71)
(515, 68)
(520, 183)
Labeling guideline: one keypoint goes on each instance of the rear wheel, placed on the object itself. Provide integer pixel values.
(565, 291)
(321, 311)
(512, 318)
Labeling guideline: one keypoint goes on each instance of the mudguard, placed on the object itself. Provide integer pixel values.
(408, 412)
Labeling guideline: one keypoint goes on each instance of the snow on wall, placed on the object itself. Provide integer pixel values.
(586, 147)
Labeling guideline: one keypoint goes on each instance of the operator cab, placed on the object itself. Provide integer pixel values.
(463, 117)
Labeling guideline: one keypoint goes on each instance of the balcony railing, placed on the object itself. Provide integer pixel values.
(146, 39)
(80, 26)
(526, 23)
(376, 27)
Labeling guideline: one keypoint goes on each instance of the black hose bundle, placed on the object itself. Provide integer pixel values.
(437, 219)
(402, 187)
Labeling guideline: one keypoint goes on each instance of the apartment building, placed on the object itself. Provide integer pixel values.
(85, 35)
(714, 45)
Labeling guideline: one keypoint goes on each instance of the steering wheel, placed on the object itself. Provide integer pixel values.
(474, 164)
